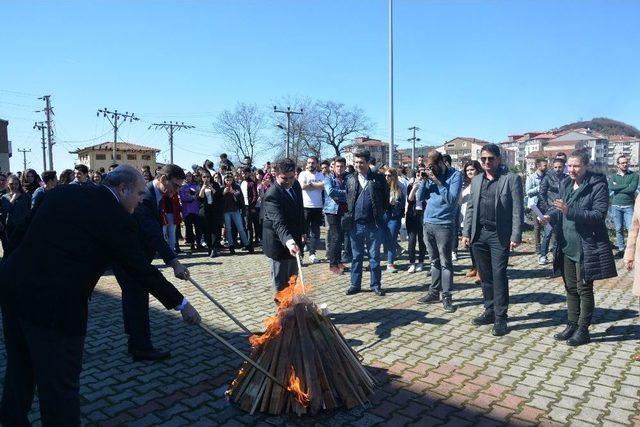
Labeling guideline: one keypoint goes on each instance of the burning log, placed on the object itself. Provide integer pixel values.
(303, 350)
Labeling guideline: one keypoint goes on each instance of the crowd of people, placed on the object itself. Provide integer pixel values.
(282, 207)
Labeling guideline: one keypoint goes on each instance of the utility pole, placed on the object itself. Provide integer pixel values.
(391, 144)
(24, 157)
(41, 126)
(413, 146)
(113, 117)
(288, 112)
(170, 127)
(48, 112)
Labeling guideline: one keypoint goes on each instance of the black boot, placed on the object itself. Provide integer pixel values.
(486, 318)
(580, 336)
(567, 332)
(446, 303)
(431, 297)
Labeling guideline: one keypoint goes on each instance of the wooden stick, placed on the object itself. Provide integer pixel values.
(220, 306)
(300, 273)
(241, 354)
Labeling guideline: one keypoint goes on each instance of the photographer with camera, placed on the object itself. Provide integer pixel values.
(443, 190)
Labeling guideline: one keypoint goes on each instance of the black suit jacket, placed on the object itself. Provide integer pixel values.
(509, 205)
(50, 275)
(283, 219)
(147, 215)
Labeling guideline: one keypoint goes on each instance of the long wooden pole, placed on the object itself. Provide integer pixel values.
(241, 354)
(220, 306)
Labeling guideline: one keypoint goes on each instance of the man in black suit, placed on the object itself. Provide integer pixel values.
(45, 308)
(283, 224)
(493, 227)
(135, 299)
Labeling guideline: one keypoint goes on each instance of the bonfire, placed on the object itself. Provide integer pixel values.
(314, 366)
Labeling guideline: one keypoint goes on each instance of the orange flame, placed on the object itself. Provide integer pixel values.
(241, 373)
(295, 386)
(273, 325)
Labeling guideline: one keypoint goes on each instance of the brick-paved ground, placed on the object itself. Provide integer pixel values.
(434, 368)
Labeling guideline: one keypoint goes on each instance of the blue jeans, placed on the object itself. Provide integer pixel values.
(622, 217)
(392, 228)
(236, 218)
(546, 240)
(372, 236)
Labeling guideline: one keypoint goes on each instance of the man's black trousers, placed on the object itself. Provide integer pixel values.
(43, 358)
(491, 259)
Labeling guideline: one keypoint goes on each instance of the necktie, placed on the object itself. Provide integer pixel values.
(290, 193)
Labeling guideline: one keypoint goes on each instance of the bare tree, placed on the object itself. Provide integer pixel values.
(303, 135)
(336, 123)
(241, 129)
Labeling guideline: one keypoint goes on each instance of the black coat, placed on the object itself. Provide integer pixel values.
(379, 192)
(589, 210)
(283, 219)
(50, 275)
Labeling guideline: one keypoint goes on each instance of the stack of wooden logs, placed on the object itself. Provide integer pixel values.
(305, 352)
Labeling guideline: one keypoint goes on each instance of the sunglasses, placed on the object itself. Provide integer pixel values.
(487, 159)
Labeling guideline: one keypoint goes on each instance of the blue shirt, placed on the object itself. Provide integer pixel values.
(443, 199)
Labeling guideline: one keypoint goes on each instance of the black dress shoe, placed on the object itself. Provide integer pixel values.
(379, 292)
(149, 355)
(431, 297)
(249, 248)
(580, 336)
(500, 328)
(447, 305)
(567, 332)
(486, 318)
(352, 290)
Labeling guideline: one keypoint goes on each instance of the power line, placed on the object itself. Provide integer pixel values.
(41, 126)
(413, 145)
(170, 128)
(288, 112)
(24, 157)
(48, 112)
(113, 117)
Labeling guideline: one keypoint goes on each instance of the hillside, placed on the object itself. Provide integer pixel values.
(605, 126)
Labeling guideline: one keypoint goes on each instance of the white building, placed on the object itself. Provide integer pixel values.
(622, 145)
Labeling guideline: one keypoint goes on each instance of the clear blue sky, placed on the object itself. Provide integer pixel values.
(471, 68)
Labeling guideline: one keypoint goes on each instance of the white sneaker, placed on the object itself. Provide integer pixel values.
(419, 267)
(391, 268)
(412, 268)
(542, 260)
(313, 259)
(454, 256)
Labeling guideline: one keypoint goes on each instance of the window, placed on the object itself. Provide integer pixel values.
(146, 157)
(118, 157)
(101, 157)
(132, 157)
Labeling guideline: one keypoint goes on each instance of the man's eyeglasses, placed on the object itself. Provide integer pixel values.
(388, 175)
(487, 159)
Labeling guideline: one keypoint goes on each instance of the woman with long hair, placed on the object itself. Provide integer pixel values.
(414, 216)
(210, 197)
(66, 177)
(15, 205)
(393, 216)
(469, 170)
(30, 181)
(233, 203)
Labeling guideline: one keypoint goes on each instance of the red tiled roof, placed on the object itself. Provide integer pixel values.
(623, 138)
(122, 146)
(548, 154)
(545, 136)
